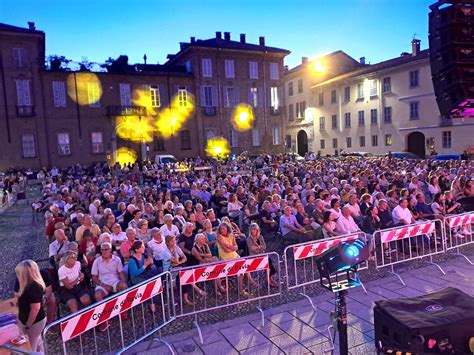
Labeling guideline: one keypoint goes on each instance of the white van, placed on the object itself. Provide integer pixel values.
(162, 159)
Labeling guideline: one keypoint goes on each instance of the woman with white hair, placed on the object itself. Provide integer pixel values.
(169, 228)
(31, 313)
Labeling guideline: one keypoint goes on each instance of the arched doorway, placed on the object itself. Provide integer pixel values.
(302, 139)
(416, 144)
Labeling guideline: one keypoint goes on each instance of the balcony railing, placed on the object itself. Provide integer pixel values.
(116, 110)
(25, 111)
(275, 111)
(209, 111)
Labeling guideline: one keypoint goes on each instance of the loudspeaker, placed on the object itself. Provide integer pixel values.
(451, 41)
(440, 322)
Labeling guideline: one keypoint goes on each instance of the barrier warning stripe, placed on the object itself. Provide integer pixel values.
(109, 309)
(461, 220)
(317, 248)
(224, 269)
(406, 232)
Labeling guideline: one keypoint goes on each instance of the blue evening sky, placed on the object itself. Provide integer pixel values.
(376, 29)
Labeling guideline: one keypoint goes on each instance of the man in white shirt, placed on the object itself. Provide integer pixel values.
(345, 222)
(59, 247)
(401, 214)
(118, 236)
(354, 207)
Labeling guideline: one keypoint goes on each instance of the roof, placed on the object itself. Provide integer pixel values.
(10, 28)
(377, 67)
(339, 52)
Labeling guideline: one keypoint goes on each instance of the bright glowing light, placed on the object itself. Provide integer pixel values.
(352, 251)
(89, 88)
(125, 156)
(135, 129)
(318, 66)
(243, 118)
(217, 147)
(171, 120)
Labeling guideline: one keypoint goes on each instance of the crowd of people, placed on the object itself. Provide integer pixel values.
(111, 228)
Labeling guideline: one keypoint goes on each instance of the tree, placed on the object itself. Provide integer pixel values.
(57, 62)
(119, 65)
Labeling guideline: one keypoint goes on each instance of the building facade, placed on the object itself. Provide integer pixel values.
(388, 106)
(61, 117)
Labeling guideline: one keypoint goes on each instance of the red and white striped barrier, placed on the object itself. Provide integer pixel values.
(407, 232)
(461, 220)
(317, 248)
(109, 309)
(224, 269)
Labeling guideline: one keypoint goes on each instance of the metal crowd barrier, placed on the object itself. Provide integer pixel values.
(409, 242)
(225, 283)
(458, 232)
(79, 331)
(300, 266)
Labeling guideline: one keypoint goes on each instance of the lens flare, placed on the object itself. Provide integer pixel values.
(135, 128)
(318, 66)
(84, 88)
(217, 147)
(171, 119)
(125, 156)
(243, 118)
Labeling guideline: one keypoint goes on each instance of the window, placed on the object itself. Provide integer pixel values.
(229, 68)
(93, 94)
(233, 138)
(334, 121)
(64, 146)
(347, 93)
(158, 143)
(253, 70)
(276, 135)
(290, 88)
(291, 116)
(231, 96)
(375, 141)
(446, 139)
(333, 96)
(387, 85)
(298, 114)
(255, 137)
(125, 98)
(23, 92)
(360, 91)
(253, 97)
(321, 99)
(361, 115)
(274, 99)
(373, 116)
(187, 64)
(334, 143)
(414, 78)
(414, 110)
(210, 133)
(388, 139)
(302, 109)
(373, 87)
(28, 145)
(20, 58)
(155, 96)
(97, 142)
(349, 142)
(300, 86)
(347, 120)
(387, 114)
(206, 96)
(322, 123)
(207, 68)
(362, 141)
(288, 141)
(182, 96)
(59, 94)
(274, 75)
(185, 139)
(322, 144)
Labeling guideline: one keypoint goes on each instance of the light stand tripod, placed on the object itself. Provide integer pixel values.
(341, 314)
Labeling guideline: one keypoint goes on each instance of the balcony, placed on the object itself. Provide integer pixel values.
(25, 111)
(209, 111)
(275, 111)
(116, 110)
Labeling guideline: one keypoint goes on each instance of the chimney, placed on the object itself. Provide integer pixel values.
(181, 45)
(287, 68)
(304, 60)
(193, 39)
(261, 41)
(415, 47)
(404, 54)
(227, 36)
(362, 60)
(218, 35)
(31, 26)
(242, 38)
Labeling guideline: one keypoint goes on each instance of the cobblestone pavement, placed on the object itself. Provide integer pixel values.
(294, 328)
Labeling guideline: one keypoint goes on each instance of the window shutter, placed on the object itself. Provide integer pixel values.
(260, 96)
(225, 96)
(62, 93)
(164, 99)
(26, 93)
(214, 96)
(236, 95)
(146, 91)
(56, 95)
(203, 96)
(125, 99)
